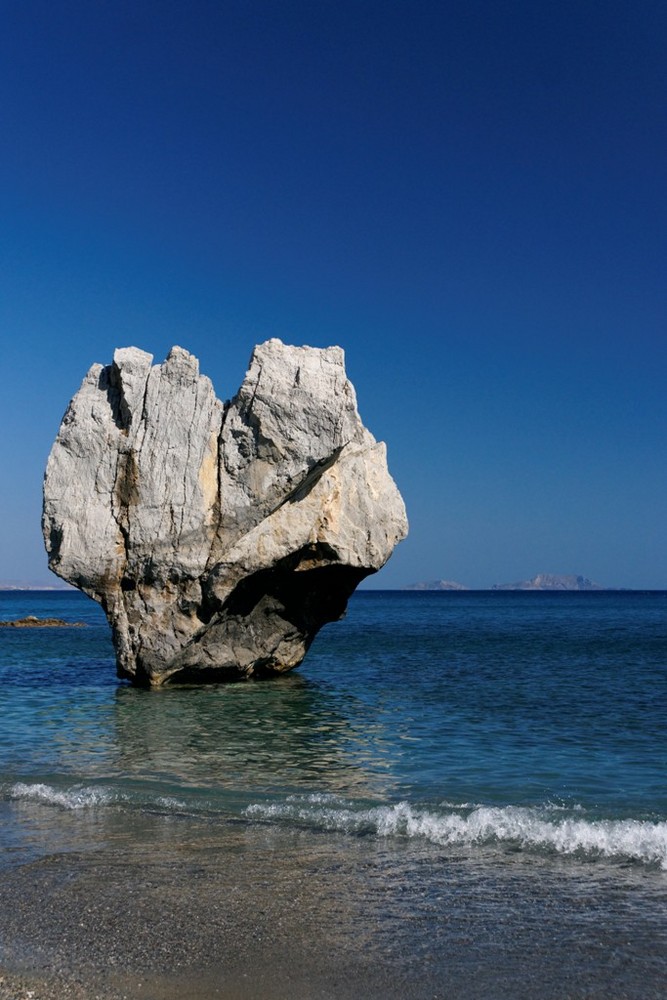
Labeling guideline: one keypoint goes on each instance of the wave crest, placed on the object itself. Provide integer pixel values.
(73, 798)
(528, 828)
(93, 796)
(546, 828)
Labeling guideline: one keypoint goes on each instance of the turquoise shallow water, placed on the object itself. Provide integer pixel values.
(528, 722)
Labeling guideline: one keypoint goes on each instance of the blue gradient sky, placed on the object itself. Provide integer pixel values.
(470, 198)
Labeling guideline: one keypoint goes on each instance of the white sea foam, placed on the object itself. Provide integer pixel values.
(169, 803)
(551, 827)
(82, 797)
(546, 828)
(72, 798)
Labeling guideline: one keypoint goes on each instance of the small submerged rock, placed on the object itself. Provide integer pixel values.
(30, 621)
(218, 538)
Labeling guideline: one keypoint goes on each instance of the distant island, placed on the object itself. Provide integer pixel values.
(551, 581)
(543, 581)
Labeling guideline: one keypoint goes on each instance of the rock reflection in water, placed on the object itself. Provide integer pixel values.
(257, 736)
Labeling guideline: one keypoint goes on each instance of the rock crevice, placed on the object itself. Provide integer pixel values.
(218, 538)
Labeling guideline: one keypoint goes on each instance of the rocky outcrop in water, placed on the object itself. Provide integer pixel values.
(218, 538)
(31, 621)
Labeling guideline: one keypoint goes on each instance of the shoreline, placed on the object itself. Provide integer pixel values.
(250, 912)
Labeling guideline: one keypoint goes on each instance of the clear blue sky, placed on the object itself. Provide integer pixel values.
(469, 197)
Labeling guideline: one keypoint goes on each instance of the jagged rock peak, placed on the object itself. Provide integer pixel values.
(218, 538)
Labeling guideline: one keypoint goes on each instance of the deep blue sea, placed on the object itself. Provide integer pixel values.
(485, 727)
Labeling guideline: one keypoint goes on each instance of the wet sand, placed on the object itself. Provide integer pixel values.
(235, 919)
(257, 912)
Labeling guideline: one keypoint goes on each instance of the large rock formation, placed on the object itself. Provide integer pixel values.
(218, 538)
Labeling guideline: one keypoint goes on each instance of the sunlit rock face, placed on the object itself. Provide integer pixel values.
(218, 538)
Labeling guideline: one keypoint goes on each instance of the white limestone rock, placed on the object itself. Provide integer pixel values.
(218, 538)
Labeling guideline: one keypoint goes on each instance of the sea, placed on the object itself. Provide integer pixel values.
(483, 776)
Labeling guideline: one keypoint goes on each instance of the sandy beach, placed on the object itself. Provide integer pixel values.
(255, 912)
(233, 920)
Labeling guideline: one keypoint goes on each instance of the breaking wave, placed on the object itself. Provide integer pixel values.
(550, 827)
(73, 798)
(82, 797)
